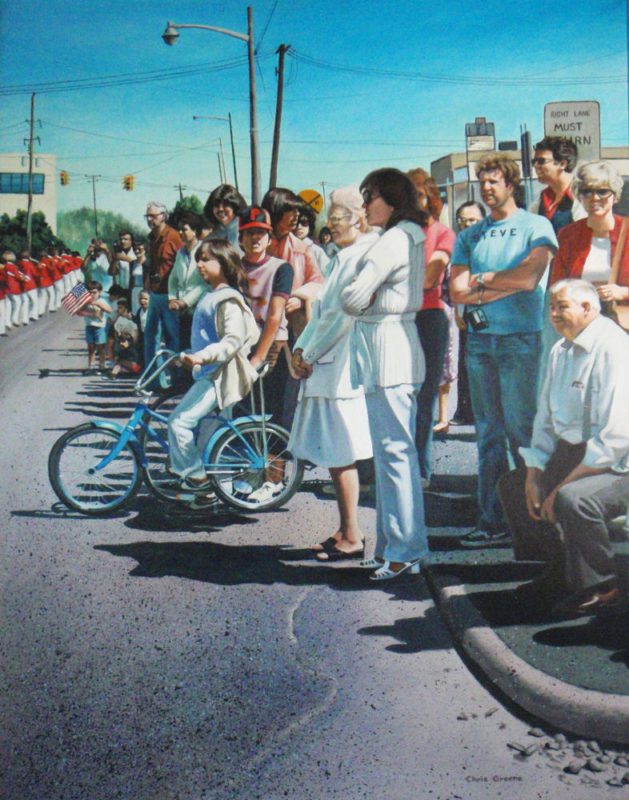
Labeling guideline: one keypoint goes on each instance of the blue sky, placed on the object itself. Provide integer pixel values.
(343, 115)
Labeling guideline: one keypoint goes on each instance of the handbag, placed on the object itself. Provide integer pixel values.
(619, 312)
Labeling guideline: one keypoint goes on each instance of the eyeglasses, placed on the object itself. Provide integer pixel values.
(336, 220)
(467, 220)
(539, 162)
(368, 196)
(603, 194)
(154, 216)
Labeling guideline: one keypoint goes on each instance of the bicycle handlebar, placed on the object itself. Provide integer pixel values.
(150, 373)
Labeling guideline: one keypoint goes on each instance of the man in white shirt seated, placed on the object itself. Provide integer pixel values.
(577, 468)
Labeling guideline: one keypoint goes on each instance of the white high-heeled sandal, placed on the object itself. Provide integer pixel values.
(371, 563)
(385, 573)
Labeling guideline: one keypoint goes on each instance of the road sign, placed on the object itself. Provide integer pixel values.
(312, 198)
(579, 121)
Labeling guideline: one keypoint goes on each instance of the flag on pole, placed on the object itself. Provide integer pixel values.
(76, 298)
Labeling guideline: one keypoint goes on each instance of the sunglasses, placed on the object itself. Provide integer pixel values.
(539, 162)
(603, 194)
(368, 196)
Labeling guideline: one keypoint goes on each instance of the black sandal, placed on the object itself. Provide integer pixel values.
(334, 554)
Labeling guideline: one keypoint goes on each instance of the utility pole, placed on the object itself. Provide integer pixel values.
(253, 113)
(220, 169)
(93, 179)
(29, 212)
(231, 136)
(220, 147)
(281, 50)
(180, 193)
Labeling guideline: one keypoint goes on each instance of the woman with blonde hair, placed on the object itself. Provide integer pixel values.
(331, 428)
(595, 248)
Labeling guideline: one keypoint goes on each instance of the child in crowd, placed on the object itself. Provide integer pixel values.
(223, 332)
(96, 314)
(125, 349)
(139, 317)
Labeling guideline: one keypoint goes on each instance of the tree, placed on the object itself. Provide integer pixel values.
(189, 203)
(13, 232)
(77, 227)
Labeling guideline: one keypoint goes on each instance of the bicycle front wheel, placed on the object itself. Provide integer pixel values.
(79, 478)
(252, 468)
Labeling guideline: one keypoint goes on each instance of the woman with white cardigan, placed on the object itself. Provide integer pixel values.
(389, 363)
(330, 427)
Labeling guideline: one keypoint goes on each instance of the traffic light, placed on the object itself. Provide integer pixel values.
(64, 178)
(127, 182)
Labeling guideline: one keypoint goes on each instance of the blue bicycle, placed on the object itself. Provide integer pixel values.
(100, 466)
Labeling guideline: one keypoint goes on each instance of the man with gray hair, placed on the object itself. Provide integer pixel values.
(164, 242)
(576, 477)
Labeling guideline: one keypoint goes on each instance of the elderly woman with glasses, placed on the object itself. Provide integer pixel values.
(330, 427)
(596, 249)
(387, 360)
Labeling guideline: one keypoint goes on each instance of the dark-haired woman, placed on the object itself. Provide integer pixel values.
(221, 210)
(432, 320)
(223, 332)
(388, 362)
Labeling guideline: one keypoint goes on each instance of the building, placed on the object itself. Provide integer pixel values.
(14, 185)
(456, 176)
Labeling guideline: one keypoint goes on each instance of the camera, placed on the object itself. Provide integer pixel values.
(476, 318)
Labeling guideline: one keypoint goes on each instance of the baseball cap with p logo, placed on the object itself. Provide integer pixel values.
(254, 217)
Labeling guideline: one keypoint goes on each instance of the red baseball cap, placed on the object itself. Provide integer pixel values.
(254, 217)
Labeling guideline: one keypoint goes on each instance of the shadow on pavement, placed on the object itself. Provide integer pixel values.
(232, 565)
(414, 634)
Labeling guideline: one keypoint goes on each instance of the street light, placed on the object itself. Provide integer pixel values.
(171, 35)
(228, 118)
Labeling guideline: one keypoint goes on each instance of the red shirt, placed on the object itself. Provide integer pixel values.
(162, 251)
(28, 268)
(438, 237)
(12, 278)
(575, 242)
(55, 267)
(45, 278)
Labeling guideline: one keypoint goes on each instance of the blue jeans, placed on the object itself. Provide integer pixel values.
(502, 374)
(160, 316)
(433, 329)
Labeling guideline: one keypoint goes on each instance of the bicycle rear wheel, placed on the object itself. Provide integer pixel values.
(77, 479)
(155, 446)
(240, 470)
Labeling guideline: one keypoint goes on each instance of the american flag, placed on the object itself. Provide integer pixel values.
(76, 298)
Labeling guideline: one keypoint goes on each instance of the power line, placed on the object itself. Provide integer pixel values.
(474, 80)
(124, 79)
(266, 27)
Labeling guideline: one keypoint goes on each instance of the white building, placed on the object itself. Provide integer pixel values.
(14, 185)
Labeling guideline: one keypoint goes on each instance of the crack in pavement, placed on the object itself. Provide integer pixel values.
(281, 736)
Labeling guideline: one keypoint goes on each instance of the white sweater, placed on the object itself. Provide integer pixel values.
(385, 297)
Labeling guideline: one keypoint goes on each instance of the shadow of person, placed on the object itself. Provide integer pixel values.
(414, 634)
(232, 565)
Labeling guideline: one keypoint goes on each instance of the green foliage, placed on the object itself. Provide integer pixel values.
(13, 232)
(77, 227)
(189, 203)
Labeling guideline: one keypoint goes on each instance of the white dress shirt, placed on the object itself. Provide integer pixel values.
(585, 398)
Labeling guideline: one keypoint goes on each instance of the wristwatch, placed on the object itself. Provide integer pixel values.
(480, 280)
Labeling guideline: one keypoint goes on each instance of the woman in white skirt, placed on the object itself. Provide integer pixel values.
(331, 428)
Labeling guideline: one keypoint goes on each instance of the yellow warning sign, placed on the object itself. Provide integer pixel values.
(312, 198)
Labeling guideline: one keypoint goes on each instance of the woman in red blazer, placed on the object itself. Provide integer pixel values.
(587, 247)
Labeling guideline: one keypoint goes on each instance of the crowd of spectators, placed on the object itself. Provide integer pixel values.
(367, 323)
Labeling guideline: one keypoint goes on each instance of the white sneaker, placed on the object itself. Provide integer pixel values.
(266, 492)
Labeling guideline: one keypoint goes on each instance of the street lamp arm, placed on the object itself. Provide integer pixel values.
(242, 36)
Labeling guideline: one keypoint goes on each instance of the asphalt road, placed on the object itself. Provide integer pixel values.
(161, 655)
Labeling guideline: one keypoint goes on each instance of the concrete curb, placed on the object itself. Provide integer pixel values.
(584, 712)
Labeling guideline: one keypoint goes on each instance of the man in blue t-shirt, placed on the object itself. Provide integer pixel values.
(497, 266)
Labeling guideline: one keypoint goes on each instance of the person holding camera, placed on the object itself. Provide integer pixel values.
(122, 261)
(96, 265)
(497, 266)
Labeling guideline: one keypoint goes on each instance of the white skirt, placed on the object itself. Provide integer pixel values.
(331, 433)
